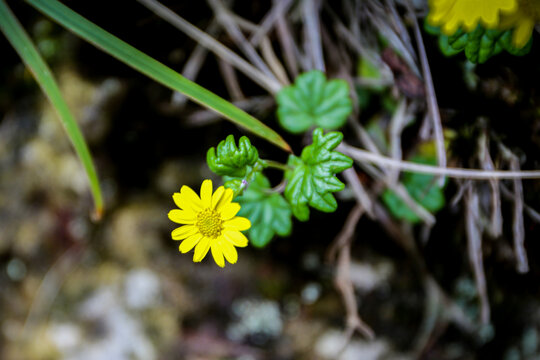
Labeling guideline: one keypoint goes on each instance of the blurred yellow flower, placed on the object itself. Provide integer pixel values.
(522, 21)
(519, 15)
(451, 14)
(209, 223)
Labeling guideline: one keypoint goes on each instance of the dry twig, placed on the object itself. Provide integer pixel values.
(518, 227)
(310, 14)
(266, 48)
(378, 16)
(342, 280)
(273, 61)
(193, 65)
(288, 47)
(279, 8)
(533, 214)
(496, 220)
(430, 93)
(231, 80)
(400, 27)
(267, 82)
(359, 191)
(474, 247)
(475, 174)
(400, 119)
(223, 15)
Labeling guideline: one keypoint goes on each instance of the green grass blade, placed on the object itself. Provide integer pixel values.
(19, 39)
(153, 68)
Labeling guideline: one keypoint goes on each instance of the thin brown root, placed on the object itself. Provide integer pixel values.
(359, 191)
(518, 227)
(231, 80)
(474, 247)
(496, 219)
(279, 8)
(342, 280)
(430, 93)
(312, 32)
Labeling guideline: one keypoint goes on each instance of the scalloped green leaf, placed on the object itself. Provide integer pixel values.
(231, 160)
(480, 44)
(422, 187)
(312, 179)
(314, 101)
(268, 212)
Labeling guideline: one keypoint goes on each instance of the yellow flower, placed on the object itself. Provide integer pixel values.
(210, 223)
(519, 15)
(522, 21)
(451, 14)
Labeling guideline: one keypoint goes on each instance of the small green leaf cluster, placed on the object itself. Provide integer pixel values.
(240, 163)
(423, 188)
(479, 45)
(313, 101)
(231, 160)
(310, 180)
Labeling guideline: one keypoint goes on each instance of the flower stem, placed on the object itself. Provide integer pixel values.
(275, 165)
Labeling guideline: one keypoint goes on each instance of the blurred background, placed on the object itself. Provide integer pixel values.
(73, 287)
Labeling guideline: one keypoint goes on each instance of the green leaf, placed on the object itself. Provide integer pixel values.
(479, 45)
(229, 160)
(153, 68)
(506, 43)
(19, 39)
(268, 212)
(367, 69)
(239, 165)
(313, 101)
(312, 180)
(422, 187)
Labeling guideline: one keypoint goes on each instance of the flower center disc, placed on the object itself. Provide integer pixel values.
(209, 223)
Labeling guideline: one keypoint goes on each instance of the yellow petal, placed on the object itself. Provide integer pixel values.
(450, 15)
(201, 249)
(182, 216)
(229, 211)
(226, 198)
(183, 232)
(237, 223)
(187, 199)
(217, 253)
(522, 33)
(236, 238)
(206, 193)
(450, 27)
(439, 12)
(229, 251)
(217, 196)
(177, 200)
(190, 242)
